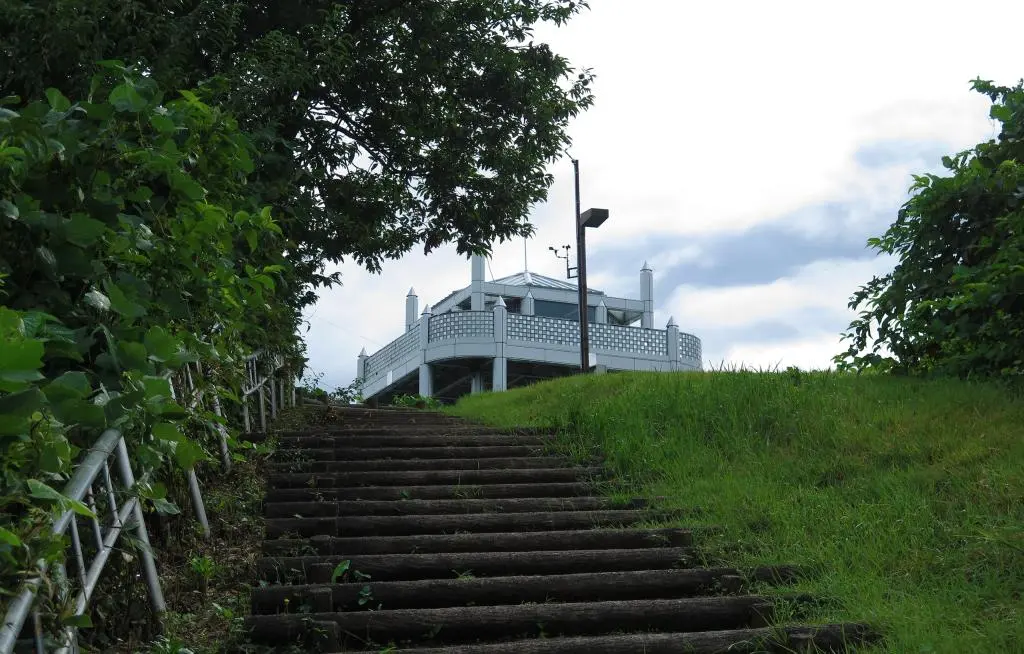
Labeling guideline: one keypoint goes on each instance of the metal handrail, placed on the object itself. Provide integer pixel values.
(81, 489)
(93, 470)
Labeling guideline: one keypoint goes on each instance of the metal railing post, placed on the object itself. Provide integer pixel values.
(263, 411)
(272, 387)
(156, 595)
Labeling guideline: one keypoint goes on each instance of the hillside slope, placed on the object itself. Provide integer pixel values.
(905, 497)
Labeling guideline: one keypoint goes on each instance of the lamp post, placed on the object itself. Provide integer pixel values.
(589, 218)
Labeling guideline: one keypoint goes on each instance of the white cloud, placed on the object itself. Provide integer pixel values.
(813, 302)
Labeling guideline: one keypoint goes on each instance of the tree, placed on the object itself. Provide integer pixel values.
(383, 124)
(954, 304)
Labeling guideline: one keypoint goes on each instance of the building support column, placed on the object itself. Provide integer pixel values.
(500, 380)
(476, 382)
(672, 336)
(426, 388)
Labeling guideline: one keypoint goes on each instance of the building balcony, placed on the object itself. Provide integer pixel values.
(462, 351)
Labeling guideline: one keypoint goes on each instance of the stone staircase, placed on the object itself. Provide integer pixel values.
(394, 530)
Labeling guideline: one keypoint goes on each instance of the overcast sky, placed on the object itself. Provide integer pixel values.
(747, 150)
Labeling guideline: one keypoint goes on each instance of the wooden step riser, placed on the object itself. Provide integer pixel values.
(431, 477)
(343, 453)
(419, 464)
(403, 438)
(329, 509)
(410, 567)
(438, 593)
(484, 491)
(462, 624)
(823, 639)
(594, 539)
(451, 523)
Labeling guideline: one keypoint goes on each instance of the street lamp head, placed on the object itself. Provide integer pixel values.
(593, 217)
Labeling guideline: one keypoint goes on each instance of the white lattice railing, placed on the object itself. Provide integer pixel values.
(461, 324)
(391, 354)
(612, 338)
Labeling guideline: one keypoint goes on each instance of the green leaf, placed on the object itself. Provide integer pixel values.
(82, 230)
(164, 507)
(163, 124)
(121, 304)
(70, 385)
(20, 362)
(160, 345)
(340, 570)
(125, 98)
(156, 387)
(186, 186)
(41, 491)
(9, 538)
(23, 403)
(186, 452)
(79, 412)
(82, 621)
(57, 100)
(9, 209)
(97, 300)
(55, 455)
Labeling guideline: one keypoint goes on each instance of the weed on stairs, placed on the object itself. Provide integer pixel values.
(401, 530)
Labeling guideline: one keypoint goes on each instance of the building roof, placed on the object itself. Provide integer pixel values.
(534, 280)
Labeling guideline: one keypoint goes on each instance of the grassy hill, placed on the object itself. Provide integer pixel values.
(905, 497)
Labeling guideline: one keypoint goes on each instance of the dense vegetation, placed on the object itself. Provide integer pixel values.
(954, 305)
(902, 497)
(174, 177)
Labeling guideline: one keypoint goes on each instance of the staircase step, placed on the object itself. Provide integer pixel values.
(438, 507)
(345, 453)
(407, 525)
(592, 539)
(403, 438)
(430, 477)
(373, 465)
(436, 593)
(833, 638)
(554, 489)
(447, 565)
(462, 624)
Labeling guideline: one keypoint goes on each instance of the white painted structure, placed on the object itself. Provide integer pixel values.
(518, 329)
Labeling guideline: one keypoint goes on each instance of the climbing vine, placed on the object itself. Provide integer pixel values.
(131, 244)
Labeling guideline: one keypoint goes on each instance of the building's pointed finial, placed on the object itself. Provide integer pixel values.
(601, 303)
(362, 352)
(645, 268)
(412, 292)
(500, 302)
(529, 294)
(427, 310)
(672, 322)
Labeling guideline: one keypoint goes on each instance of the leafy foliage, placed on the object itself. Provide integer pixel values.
(130, 244)
(954, 305)
(384, 123)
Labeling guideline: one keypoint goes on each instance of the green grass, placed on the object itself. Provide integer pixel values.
(905, 498)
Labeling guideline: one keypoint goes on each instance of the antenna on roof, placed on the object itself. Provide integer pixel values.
(569, 270)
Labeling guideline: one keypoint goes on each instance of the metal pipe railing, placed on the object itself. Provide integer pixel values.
(93, 469)
(92, 481)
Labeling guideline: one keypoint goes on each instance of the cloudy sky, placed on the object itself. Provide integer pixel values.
(747, 150)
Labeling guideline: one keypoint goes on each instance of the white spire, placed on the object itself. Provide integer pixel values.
(412, 292)
(672, 322)
(645, 267)
(427, 311)
(362, 352)
(500, 302)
